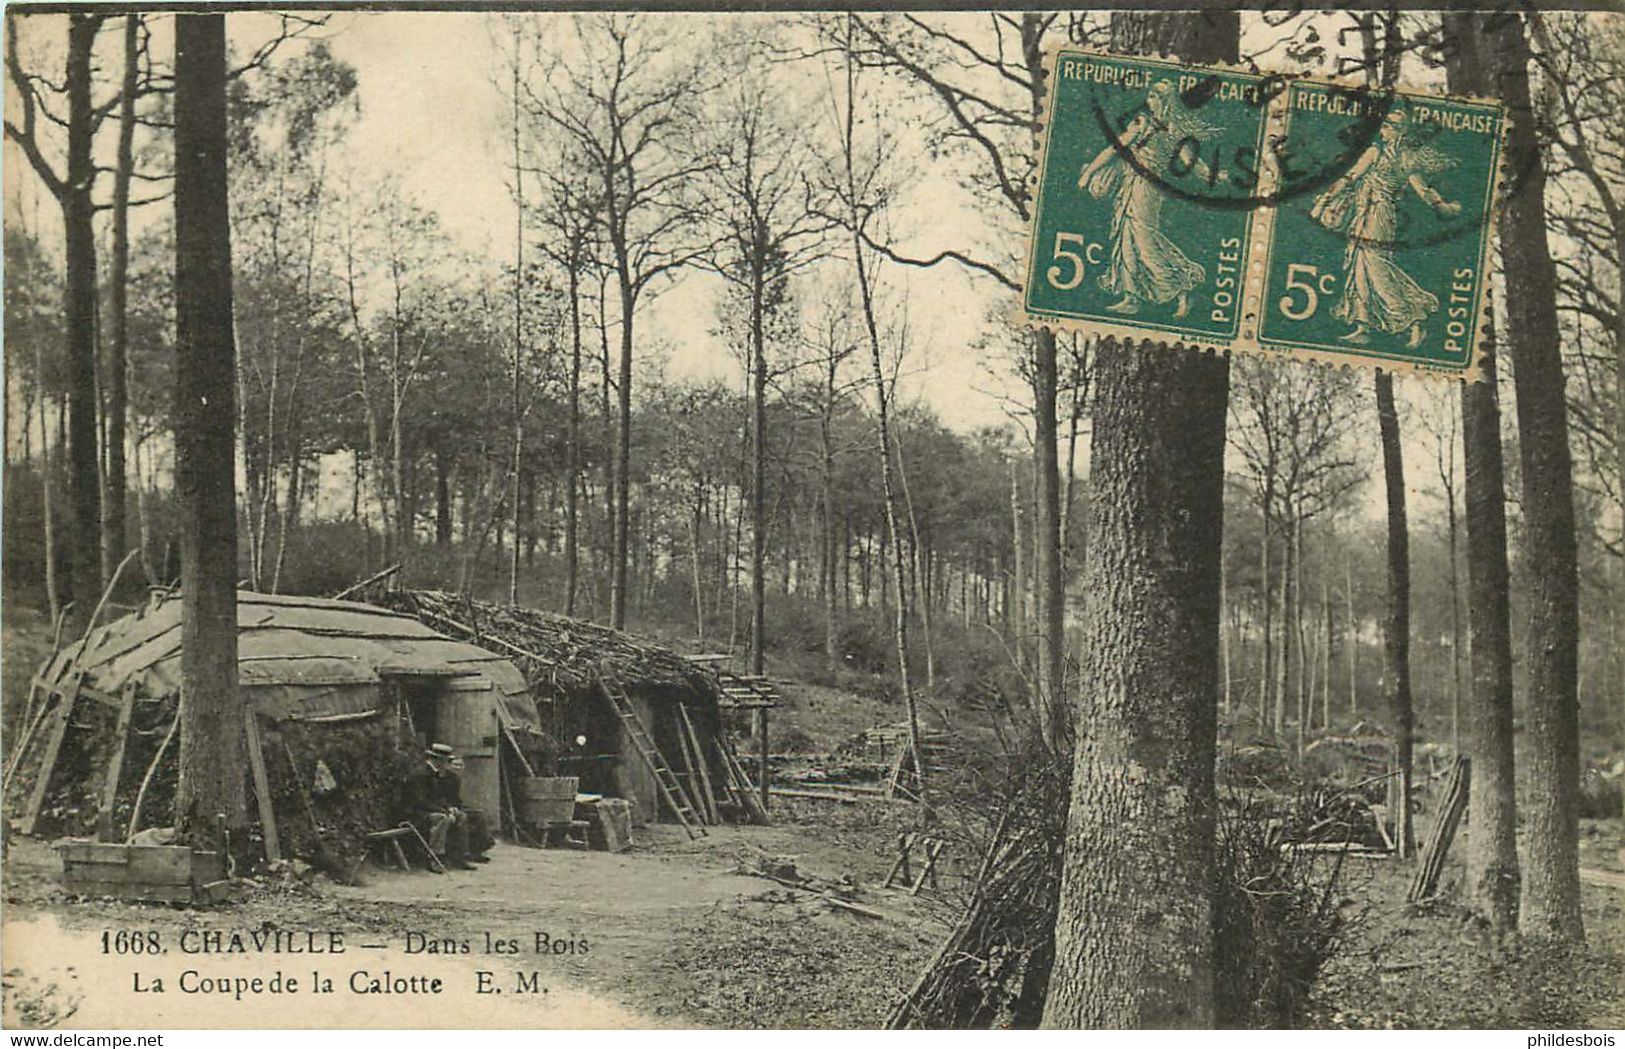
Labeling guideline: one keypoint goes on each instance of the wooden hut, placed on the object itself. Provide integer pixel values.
(581, 674)
(338, 699)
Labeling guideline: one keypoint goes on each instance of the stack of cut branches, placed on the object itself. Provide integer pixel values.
(994, 968)
(555, 653)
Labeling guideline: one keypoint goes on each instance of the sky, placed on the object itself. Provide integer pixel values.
(431, 110)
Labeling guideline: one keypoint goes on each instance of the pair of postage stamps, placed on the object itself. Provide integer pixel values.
(1286, 216)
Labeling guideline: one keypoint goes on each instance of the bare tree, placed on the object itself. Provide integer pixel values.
(754, 159)
(990, 88)
(858, 188)
(1291, 426)
(211, 801)
(72, 186)
(626, 98)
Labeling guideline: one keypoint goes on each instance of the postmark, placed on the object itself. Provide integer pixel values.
(1258, 212)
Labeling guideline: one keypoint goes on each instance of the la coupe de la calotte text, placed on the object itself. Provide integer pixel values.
(327, 949)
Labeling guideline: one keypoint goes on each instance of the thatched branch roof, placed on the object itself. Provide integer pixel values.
(557, 654)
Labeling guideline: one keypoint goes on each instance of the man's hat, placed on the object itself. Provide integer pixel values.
(440, 750)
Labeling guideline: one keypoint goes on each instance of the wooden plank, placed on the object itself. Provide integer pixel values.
(131, 891)
(687, 755)
(747, 789)
(53, 747)
(699, 759)
(105, 698)
(1443, 833)
(161, 864)
(813, 795)
(115, 767)
(761, 757)
(207, 867)
(262, 785)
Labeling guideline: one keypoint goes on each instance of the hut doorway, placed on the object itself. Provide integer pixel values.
(461, 712)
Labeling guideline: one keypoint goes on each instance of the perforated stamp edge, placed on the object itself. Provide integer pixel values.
(1259, 234)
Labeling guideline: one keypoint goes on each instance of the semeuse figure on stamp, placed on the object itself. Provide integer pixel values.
(1364, 205)
(1145, 266)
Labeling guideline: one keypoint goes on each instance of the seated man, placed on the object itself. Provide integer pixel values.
(437, 807)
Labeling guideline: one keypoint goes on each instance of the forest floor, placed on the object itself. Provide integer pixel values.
(671, 934)
(1437, 966)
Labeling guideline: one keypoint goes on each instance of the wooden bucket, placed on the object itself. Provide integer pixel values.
(547, 799)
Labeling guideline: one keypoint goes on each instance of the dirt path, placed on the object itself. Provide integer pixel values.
(532, 939)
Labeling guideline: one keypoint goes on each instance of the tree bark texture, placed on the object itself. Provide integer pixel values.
(1050, 588)
(211, 751)
(78, 212)
(1492, 847)
(1396, 623)
(758, 466)
(1551, 872)
(1134, 933)
(114, 530)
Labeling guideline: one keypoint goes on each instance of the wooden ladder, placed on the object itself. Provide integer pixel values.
(670, 789)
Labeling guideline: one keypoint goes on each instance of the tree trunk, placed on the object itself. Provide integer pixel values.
(78, 212)
(211, 796)
(1134, 936)
(442, 499)
(1018, 580)
(1047, 525)
(1326, 658)
(1396, 625)
(832, 555)
(1134, 933)
(1551, 878)
(758, 471)
(114, 530)
(1224, 637)
(1457, 656)
(921, 559)
(623, 464)
(1266, 600)
(518, 325)
(1283, 653)
(1351, 634)
(572, 454)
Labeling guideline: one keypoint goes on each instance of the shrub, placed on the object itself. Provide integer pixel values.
(1275, 917)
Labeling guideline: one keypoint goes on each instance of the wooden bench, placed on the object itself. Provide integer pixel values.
(391, 839)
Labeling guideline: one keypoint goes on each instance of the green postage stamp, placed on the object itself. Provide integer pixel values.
(1268, 214)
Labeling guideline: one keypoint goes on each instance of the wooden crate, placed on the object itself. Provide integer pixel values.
(169, 873)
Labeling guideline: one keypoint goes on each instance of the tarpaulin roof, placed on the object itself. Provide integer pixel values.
(296, 656)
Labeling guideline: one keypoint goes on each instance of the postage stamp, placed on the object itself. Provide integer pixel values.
(1389, 261)
(1262, 213)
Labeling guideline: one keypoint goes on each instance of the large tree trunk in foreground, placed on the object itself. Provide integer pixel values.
(1396, 625)
(1134, 936)
(1551, 883)
(211, 761)
(1492, 847)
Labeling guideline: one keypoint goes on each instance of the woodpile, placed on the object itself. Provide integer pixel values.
(555, 653)
(1452, 806)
